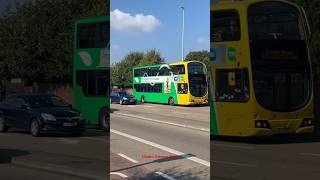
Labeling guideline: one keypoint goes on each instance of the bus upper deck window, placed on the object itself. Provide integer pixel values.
(226, 26)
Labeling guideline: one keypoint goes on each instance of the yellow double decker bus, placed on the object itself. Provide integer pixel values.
(181, 83)
(261, 69)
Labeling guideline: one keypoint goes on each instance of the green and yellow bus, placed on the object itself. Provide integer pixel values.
(181, 83)
(91, 70)
(260, 69)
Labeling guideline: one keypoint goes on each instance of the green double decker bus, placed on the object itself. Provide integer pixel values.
(91, 70)
(181, 83)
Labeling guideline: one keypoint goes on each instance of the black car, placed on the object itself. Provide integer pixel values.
(39, 113)
(122, 97)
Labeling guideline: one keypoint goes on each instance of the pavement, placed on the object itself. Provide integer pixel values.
(54, 156)
(153, 141)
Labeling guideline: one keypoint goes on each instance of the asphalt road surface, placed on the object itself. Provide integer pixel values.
(280, 157)
(153, 141)
(54, 156)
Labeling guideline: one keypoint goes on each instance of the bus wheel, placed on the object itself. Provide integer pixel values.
(142, 99)
(171, 101)
(3, 127)
(104, 120)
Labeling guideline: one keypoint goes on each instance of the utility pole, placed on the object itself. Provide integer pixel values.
(182, 33)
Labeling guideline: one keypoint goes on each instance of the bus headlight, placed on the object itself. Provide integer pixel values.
(262, 124)
(306, 122)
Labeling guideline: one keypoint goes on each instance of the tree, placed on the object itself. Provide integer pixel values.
(36, 38)
(121, 72)
(312, 8)
(202, 56)
(151, 57)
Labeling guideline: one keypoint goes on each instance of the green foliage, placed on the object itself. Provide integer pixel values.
(36, 38)
(312, 9)
(121, 72)
(202, 56)
(150, 58)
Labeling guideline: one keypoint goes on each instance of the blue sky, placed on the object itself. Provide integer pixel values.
(141, 25)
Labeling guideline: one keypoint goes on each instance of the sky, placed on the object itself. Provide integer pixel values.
(142, 25)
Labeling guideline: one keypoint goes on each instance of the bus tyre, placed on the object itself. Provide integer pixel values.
(3, 127)
(142, 99)
(104, 120)
(34, 128)
(171, 101)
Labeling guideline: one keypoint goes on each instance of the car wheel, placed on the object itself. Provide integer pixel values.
(35, 128)
(3, 127)
(171, 101)
(142, 99)
(120, 102)
(104, 120)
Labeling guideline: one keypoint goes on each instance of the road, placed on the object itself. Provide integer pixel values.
(279, 157)
(153, 141)
(54, 156)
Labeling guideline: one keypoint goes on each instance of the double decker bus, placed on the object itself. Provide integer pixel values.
(91, 70)
(260, 69)
(181, 83)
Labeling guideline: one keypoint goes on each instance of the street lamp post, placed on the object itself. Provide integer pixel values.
(182, 33)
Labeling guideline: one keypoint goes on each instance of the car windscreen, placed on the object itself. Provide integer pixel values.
(47, 101)
(124, 94)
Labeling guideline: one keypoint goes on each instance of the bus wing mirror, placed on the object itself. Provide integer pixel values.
(306, 22)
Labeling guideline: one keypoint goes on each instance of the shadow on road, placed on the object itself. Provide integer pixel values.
(161, 160)
(89, 132)
(198, 105)
(276, 139)
(173, 172)
(6, 155)
(112, 110)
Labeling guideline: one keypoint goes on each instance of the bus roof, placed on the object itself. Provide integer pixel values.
(244, 3)
(158, 65)
(92, 19)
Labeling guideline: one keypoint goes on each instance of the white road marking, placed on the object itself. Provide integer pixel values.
(119, 174)
(232, 146)
(132, 106)
(163, 122)
(310, 154)
(235, 164)
(128, 158)
(164, 148)
(147, 106)
(165, 176)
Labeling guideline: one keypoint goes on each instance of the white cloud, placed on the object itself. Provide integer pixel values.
(115, 47)
(202, 41)
(134, 24)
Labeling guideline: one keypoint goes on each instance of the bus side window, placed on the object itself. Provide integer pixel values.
(225, 25)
